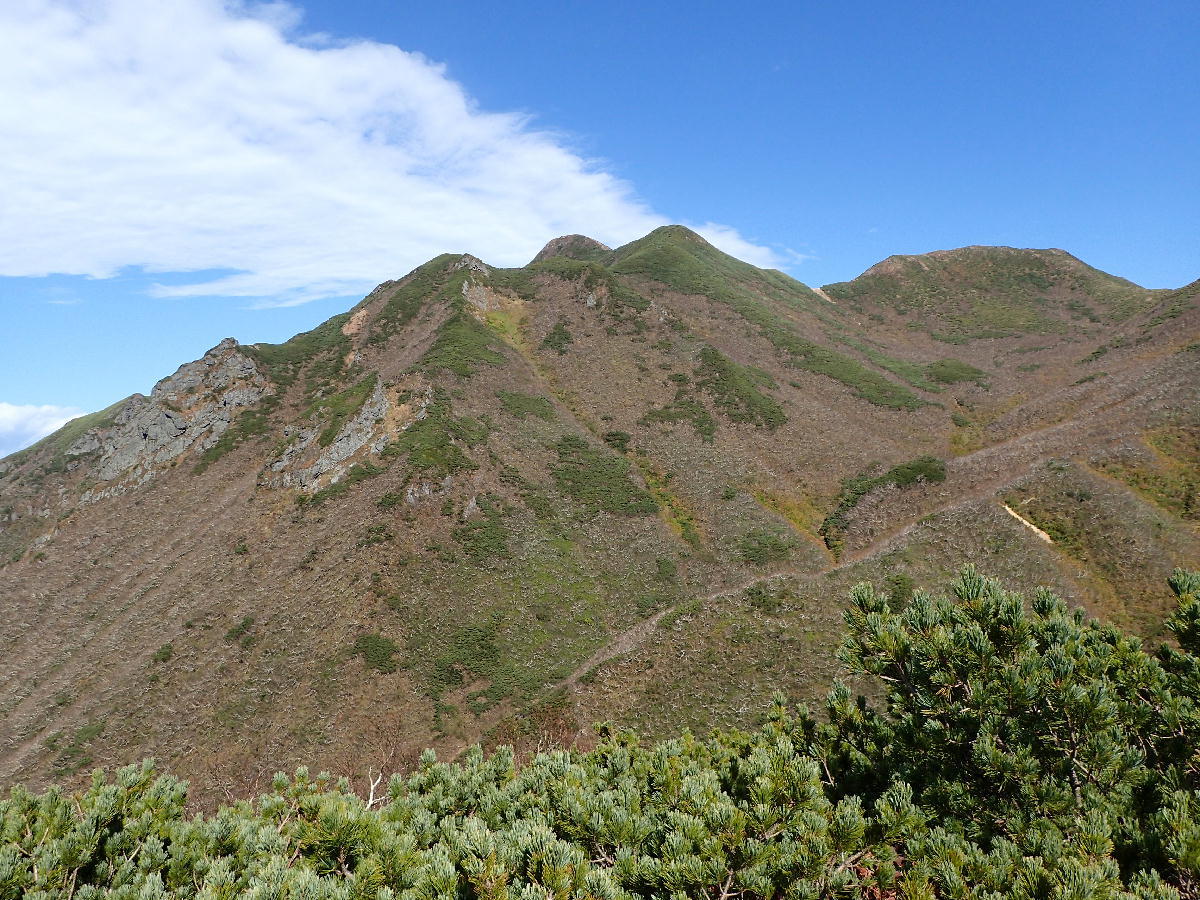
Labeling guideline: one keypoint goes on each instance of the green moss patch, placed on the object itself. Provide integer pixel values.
(558, 338)
(735, 390)
(74, 755)
(378, 652)
(684, 408)
(462, 346)
(283, 362)
(520, 405)
(485, 540)
(433, 444)
(954, 371)
(1171, 477)
(911, 372)
(599, 480)
(921, 469)
(760, 547)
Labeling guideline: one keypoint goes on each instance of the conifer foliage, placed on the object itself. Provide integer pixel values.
(1019, 751)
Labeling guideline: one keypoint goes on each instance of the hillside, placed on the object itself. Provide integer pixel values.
(613, 485)
(1021, 752)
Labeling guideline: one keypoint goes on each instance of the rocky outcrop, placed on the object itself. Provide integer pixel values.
(142, 434)
(223, 369)
(482, 297)
(473, 263)
(362, 431)
(423, 490)
(191, 409)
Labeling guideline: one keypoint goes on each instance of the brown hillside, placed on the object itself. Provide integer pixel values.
(628, 485)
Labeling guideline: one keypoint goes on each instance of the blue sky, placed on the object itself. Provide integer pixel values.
(262, 175)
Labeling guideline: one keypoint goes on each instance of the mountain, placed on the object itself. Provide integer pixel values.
(626, 485)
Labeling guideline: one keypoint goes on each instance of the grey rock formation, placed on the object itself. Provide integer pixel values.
(88, 443)
(481, 296)
(215, 372)
(190, 409)
(474, 263)
(356, 434)
(300, 439)
(424, 490)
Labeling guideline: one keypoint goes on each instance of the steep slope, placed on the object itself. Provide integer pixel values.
(613, 484)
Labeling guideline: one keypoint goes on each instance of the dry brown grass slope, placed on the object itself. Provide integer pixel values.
(626, 485)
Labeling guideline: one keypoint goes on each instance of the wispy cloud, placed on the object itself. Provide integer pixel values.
(198, 135)
(20, 426)
(729, 240)
(796, 258)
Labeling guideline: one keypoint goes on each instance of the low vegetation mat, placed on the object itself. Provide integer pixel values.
(1019, 751)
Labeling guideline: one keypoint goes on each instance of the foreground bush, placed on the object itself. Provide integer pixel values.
(1020, 752)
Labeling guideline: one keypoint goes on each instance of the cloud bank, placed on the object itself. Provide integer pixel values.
(200, 135)
(20, 426)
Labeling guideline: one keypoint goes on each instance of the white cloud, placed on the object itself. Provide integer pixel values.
(199, 135)
(729, 240)
(20, 426)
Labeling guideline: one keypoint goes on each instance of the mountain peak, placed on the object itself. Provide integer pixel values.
(453, 502)
(973, 255)
(680, 232)
(573, 246)
(994, 291)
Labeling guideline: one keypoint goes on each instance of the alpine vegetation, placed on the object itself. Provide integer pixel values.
(1014, 749)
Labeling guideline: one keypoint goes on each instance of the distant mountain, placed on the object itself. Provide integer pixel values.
(629, 485)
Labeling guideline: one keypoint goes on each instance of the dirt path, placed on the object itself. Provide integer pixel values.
(636, 635)
(632, 637)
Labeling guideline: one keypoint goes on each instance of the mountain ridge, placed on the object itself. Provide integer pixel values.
(437, 517)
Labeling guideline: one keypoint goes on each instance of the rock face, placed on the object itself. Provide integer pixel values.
(482, 297)
(362, 430)
(217, 371)
(190, 409)
(473, 263)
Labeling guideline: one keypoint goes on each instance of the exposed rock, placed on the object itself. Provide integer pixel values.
(302, 437)
(355, 434)
(219, 368)
(358, 431)
(355, 323)
(142, 432)
(474, 263)
(190, 409)
(89, 443)
(482, 297)
(423, 490)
